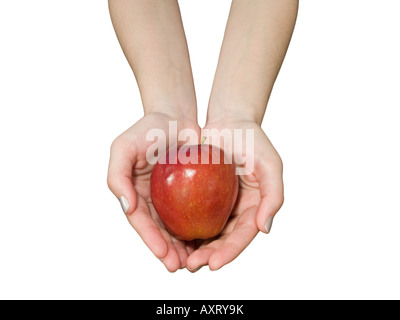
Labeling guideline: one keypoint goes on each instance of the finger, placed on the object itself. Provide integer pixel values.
(244, 232)
(190, 247)
(147, 229)
(199, 257)
(272, 195)
(119, 180)
(172, 260)
(180, 247)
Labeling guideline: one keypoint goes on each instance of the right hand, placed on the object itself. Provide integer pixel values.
(129, 180)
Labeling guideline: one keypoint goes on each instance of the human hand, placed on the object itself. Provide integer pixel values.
(259, 199)
(129, 179)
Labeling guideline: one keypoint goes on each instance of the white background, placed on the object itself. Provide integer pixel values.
(66, 92)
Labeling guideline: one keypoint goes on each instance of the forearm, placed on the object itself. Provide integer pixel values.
(153, 40)
(255, 43)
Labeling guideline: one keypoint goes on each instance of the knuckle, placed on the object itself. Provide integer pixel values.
(116, 144)
(274, 163)
(281, 200)
(249, 224)
(123, 142)
(110, 182)
(278, 163)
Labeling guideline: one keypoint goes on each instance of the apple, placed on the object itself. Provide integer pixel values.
(194, 198)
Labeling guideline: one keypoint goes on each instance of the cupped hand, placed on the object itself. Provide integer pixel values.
(129, 179)
(260, 197)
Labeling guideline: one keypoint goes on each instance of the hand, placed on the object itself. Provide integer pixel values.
(129, 179)
(259, 199)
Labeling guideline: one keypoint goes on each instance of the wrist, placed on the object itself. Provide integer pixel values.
(175, 108)
(234, 113)
(232, 121)
(167, 114)
(169, 92)
(176, 103)
(173, 111)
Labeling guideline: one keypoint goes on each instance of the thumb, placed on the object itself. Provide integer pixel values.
(272, 197)
(119, 179)
(269, 206)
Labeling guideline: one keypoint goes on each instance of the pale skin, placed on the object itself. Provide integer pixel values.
(256, 40)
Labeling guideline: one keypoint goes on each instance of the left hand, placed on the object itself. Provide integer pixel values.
(260, 197)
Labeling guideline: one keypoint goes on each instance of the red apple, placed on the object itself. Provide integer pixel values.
(194, 199)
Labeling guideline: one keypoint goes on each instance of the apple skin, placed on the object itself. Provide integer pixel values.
(194, 200)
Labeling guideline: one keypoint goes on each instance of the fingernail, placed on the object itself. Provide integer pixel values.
(195, 269)
(124, 204)
(268, 225)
